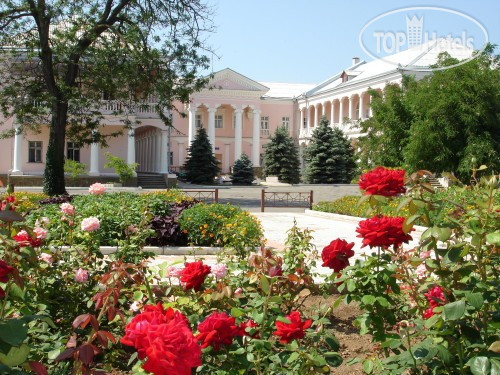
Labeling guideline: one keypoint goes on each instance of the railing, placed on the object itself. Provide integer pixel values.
(285, 199)
(206, 196)
(264, 132)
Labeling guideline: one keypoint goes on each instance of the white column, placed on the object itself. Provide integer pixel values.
(342, 111)
(316, 116)
(238, 133)
(94, 159)
(18, 152)
(323, 112)
(211, 127)
(332, 114)
(308, 118)
(181, 154)
(256, 138)
(352, 108)
(131, 147)
(370, 112)
(192, 123)
(164, 152)
(362, 106)
(227, 155)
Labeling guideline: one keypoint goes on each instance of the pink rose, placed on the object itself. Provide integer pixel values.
(219, 271)
(421, 270)
(97, 189)
(46, 258)
(67, 209)
(175, 271)
(425, 254)
(44, 221)
(81, 275)
(41, 233)
(91, 224)
(238, 292)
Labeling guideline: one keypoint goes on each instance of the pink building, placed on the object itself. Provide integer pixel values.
(238, 113)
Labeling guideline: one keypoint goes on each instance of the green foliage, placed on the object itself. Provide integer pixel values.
(441, 123)
(201, 166)
(243, 173)
(74, 168)
(125, 171)
(282, 157)
(221, 225)
(329, 156)
(121, 51)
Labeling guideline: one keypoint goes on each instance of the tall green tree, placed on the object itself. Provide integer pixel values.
(59, 59)
(201, 166)
(444, 122)
(243, 173)
(329, 156)
(282, 157)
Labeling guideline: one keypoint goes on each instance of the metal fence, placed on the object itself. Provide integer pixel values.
(286, 199)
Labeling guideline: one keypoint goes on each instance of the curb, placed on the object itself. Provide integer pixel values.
(166, 250)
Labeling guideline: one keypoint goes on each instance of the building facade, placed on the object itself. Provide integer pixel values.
(238, 113)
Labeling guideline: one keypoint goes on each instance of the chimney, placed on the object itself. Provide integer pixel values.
(355, 60)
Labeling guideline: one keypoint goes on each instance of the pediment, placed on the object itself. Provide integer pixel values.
(228, 79)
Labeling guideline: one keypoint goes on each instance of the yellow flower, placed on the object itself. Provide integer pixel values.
(229, 225)
(201, 227)
(205, 226)
(211, 235)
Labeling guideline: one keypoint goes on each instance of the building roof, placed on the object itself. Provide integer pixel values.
(286, 90)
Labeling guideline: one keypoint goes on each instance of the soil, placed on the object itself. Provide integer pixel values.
(352, 344)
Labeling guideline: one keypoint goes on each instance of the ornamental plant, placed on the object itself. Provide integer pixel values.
(431, 308)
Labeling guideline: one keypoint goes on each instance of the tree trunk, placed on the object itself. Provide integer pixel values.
(54, 183)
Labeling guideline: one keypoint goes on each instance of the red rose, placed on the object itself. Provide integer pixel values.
(383, 181)
(248, 324)
(8, 203)
(194, 274)
(293, 330)
(217, 330)
(429, 313)
(435, 296)
(5, 271)
(165, 339)
(24, 239)
(336, 255)
(382, 231)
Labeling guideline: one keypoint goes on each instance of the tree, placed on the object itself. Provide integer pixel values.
(60, 58)
(243, 173)
(282, 157)
(442, 123)
(329, 156)
(201, 166)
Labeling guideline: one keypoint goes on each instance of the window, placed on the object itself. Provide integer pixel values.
(35, 152)
(285, 121)
(198, 122)
(72, 151)
(264, 125)
(171, 158)
(218, 122)
(304, 125)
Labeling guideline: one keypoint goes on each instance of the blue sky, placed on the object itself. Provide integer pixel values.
(306, 41)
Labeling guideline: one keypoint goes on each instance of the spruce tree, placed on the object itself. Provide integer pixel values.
(282, 157)
(243, 171)
(201, 166)
(329, 156)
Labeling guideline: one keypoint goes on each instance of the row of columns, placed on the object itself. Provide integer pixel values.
(238, 132)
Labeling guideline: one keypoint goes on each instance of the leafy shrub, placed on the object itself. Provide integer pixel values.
(157, 201)
(74, 168)
(221, 225)
(167, 228)
(125, 171)
(243, 173)
(59, 199)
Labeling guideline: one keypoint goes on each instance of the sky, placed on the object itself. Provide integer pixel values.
(307, 41)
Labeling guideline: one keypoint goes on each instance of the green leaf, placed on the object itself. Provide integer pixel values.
(368, 300)
(454, 310)
(16, 355)
(237, 312)
(292, 357)
(495, 366)
(13, 332)
(368, 366)
(443, 234)
(479, 365)
(264, 284)
(283, 319)
(408, 223)
(404, 203)
(495, 347)
(475, 299)
(493, 238)
(138, 295)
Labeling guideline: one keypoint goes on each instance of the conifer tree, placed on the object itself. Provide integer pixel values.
(201, 166)
(282, 157)
(243, 171)
(329, 156)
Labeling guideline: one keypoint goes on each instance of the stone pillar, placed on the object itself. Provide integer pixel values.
(164, 152)
(316, 116)
(332, 114)
(308, 118)
(362, 107)
(211, 127)
(238, 133)
(370, 112)
(181, 154)
(342, 111)
(227, 155)
(17, 161)
(191, 125)
(256, 138)
(352, 108)
(131, 147)
(94, 159)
